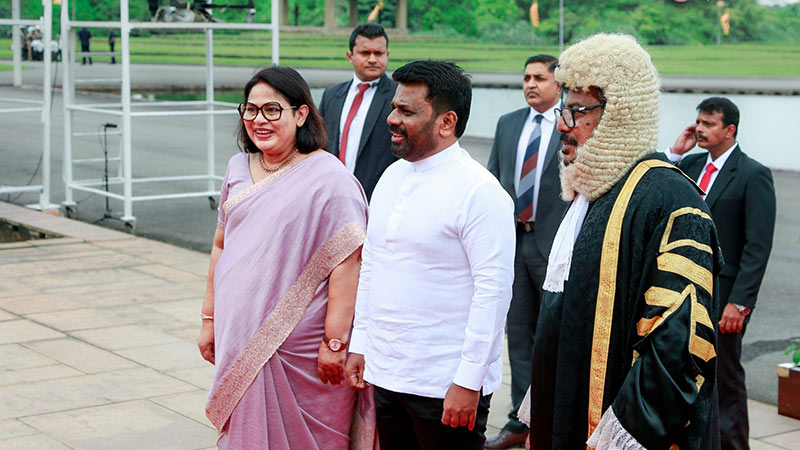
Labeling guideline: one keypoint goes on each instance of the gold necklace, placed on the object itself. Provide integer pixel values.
(280, 166)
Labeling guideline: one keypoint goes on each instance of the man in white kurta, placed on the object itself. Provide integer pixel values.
(436, 275)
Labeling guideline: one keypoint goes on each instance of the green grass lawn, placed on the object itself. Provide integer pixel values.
(305, 50)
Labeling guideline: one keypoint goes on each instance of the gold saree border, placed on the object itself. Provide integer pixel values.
(604, 309)
(231, 202)
(280, 323)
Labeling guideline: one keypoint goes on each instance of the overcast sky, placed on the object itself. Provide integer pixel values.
(777, 2)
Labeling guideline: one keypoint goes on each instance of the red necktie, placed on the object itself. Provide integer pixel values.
(710, 168)
(350, 115)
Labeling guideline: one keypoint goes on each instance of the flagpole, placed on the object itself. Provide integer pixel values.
(560, 26)
(720, 5)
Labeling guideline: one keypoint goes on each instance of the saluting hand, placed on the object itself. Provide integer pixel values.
(686, 141)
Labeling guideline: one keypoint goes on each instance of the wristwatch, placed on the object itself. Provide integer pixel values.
(742, 309)
(334, 344)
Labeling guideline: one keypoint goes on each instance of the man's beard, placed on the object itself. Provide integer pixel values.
(569, 140)
(416, 148)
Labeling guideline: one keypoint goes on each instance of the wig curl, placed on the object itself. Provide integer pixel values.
(628, 128)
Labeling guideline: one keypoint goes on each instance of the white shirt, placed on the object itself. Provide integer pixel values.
(718, 163)
(436, 277)
(547, 125)
(357, 125)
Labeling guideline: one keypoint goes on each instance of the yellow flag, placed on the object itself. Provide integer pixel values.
(725, 22)
(534, 13)
(56, 2)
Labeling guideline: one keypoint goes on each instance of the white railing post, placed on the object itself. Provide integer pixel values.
(276, 23)
(16, 44)
(127, 170)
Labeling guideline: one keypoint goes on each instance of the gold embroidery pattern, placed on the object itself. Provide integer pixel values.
(697, 345)
(667, 246)
(604, 309)
(658, 296)
(231, 202)
(685, 267)
(699, 382)
(280, 323)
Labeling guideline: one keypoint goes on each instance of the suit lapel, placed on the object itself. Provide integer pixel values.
(552, 149)
(725, 176)
(695, 166)
(338, 104)
(378, 100)
(509, 148)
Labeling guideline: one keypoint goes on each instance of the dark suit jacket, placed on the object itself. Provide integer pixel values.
(549, 207)
(374, 148)
(742, 204)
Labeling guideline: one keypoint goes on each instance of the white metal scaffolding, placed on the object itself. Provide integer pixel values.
(127, 110)
(29, 106)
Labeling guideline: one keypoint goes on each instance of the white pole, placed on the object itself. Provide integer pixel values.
(127, 189)
(47, 88)
(210, 106)
(16, 44)
(276, 14)
(67, 96)
(560, 26)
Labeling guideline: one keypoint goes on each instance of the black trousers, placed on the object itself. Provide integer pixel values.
(733, 422)
(530, 269)
(412, 422)
(85, 48)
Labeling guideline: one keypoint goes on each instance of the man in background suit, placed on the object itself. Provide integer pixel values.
(741, 197)
(355, 111)
(524, 159)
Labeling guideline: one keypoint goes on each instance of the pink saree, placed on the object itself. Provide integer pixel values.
(283, 237)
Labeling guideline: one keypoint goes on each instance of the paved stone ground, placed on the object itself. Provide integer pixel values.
(97, 335)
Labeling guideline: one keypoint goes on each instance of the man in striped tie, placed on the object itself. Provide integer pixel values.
(524, 159)
(741, 196)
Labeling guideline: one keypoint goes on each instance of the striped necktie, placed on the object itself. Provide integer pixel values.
(527, 177)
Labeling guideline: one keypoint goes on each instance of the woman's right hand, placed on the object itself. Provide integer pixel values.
(205, 342)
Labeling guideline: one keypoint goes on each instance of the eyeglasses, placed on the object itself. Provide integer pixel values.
(568, 114)
(270, 110)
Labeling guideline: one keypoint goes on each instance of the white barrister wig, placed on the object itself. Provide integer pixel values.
(628, 129)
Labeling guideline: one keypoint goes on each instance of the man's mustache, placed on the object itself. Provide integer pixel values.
(568, 140)
(396, 129)
(700, 136)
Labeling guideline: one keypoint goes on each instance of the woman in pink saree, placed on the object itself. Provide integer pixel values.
(282, 281)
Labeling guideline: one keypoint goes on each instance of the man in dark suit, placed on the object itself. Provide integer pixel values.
(741, 197)
(355, 111)
(524, 159)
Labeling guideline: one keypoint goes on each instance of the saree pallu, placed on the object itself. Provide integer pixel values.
(283, 237)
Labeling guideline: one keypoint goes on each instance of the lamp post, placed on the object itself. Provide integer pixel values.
(720, 5)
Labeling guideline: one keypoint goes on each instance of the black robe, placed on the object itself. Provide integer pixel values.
(657, 318)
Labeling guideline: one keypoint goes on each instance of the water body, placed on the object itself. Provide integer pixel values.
(768, 129)
(765, 127)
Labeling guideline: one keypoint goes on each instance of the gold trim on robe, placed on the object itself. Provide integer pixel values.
(604, 310)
